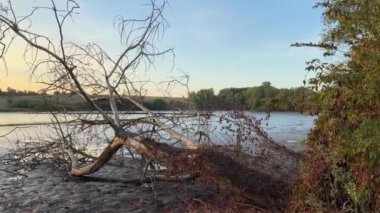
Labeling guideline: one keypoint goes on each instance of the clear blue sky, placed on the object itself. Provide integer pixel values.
(219, 43)
(243, 43)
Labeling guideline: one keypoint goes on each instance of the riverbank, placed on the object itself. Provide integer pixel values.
(46, 190)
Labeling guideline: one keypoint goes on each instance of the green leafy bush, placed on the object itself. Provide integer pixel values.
(342, 170)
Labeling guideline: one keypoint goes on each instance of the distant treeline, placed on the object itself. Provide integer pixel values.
(13, 92)
(18, 100)
(49, 104)
(258, 98)
(69, 102)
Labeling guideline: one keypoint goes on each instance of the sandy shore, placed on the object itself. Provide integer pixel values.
(46, 190)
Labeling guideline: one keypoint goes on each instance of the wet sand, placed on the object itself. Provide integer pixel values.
(46, 190)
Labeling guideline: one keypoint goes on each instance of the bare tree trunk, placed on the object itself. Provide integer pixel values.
(104, 157)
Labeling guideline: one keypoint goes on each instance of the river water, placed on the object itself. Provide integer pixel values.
(283, 127)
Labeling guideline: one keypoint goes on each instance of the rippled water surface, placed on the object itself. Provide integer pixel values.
(284, 127)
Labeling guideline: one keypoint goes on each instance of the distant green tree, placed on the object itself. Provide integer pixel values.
(232, 98)
(203, 99)
(266, 84)
(269, 90)
(159, 104)
(10, 95)
(291, 99)
(283, 101)
(254, 95)
(11, 91)
(56, 95)
(259, 97)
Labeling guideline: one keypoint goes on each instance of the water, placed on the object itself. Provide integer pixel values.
(11, 118)
(283, 127)
(289, 127)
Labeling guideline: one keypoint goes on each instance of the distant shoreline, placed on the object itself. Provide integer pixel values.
(18, 110)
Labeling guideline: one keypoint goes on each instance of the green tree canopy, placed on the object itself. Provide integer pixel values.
(258, 98)
(204, 98)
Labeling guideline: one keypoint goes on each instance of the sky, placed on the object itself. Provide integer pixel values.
(218, 43)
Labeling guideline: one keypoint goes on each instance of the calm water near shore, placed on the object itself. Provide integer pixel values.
(283, 127)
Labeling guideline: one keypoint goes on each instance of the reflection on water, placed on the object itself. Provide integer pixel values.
(284, 127)
(26, 118)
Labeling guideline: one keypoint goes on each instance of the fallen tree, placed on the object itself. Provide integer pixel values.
(88, 69)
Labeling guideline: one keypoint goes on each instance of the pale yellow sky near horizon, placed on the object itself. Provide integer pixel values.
(15, 72)
(17, 75)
